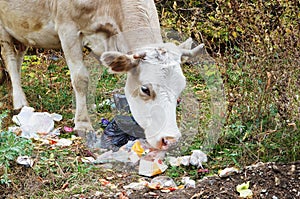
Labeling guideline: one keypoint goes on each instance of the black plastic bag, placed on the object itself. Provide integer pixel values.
(119, 131)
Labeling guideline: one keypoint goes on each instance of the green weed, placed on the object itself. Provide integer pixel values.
(11, 146)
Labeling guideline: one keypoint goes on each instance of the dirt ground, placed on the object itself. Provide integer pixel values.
(270, 180)
(267, 180)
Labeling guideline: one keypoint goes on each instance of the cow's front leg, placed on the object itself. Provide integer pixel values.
(72, 47)
(13, 56)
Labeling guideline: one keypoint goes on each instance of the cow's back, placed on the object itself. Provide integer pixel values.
(35, 23)
(30, 22)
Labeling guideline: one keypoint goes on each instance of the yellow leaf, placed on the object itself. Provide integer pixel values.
(234, 34)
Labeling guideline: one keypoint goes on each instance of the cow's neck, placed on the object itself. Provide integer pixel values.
(140, 26)
(129, 41)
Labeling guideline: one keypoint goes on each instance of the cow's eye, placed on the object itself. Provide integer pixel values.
(145, 90)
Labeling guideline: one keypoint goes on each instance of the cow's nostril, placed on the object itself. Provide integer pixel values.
(164, 142)
(167, 142)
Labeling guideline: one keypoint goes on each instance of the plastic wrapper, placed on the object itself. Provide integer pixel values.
(185, 160)
(137, 185)
(64, 142)
(174, 162)
(138, 148)
(125, 154)
(25, 160)
(196, 158)
(34, 123)
(121, 103)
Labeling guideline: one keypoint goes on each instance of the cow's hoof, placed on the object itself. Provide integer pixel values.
(89, 137)
(80, 133)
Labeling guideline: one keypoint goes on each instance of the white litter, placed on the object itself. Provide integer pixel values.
(25, 160)
(34, 123)
(196, 158)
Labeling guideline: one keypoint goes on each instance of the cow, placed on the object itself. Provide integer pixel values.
(123, 34)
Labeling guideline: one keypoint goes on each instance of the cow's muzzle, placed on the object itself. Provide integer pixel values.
(167, 143)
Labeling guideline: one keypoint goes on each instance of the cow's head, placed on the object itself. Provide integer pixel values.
(154, 83)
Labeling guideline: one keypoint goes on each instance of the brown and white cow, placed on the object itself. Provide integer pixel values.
(124, 34)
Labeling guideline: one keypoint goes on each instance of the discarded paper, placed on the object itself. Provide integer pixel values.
(188, 183)
(227, 172)
(162, 182)
(151, 168)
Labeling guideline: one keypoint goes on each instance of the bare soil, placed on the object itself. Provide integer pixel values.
(270, 180)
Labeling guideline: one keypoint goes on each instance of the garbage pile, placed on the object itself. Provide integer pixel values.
(122, 138)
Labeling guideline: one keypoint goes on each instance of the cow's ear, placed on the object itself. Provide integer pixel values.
(119, 62)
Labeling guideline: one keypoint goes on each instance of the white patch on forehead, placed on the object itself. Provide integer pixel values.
(161, 68)
(162, 56)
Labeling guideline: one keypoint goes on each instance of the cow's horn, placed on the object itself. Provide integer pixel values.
(193, 52)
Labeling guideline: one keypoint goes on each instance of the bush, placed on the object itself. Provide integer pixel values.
(256, 45)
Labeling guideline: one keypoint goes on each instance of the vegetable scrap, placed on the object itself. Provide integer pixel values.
(244, 190)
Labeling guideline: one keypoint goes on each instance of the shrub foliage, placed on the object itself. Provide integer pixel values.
(256, 44)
